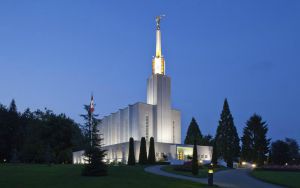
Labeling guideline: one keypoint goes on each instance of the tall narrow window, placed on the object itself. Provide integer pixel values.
(147, 128)
(173, 131)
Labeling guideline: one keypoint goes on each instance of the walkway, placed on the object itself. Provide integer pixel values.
(236, 178)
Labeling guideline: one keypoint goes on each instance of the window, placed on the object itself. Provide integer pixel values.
(180, 156)
(147, 128)
(173, 132)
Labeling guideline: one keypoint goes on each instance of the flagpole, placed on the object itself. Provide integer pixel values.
(91, 121)
(91, 110)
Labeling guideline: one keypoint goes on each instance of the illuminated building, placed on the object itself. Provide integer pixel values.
(156, 118)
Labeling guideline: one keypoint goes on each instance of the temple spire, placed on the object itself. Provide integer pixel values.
(158, 36)
(158, 62)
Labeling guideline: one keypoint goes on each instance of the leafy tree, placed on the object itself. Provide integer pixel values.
(280, 152)
(255, 144)
(31, 137)
(293, 150)
(5, 148)
(143, 152)
(151, 155)
(227, 139)
(131, 156)
(193, 133)
(94, 153)
(207, 140)
(195, 169)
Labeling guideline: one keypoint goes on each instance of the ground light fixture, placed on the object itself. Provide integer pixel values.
(210, 176)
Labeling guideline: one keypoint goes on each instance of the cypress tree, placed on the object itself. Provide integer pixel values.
(151, 156)
(255, 144)
(131, 157)
(195, 169)
(143, 152)
(215, 154)
(193, 133)
(227, 139)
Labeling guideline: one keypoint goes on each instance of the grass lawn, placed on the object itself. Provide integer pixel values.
(202, 172)
(64, 176)
(289, 179)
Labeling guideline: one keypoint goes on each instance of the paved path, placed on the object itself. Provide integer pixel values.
(236, 178)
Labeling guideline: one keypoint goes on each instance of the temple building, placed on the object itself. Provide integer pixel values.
(156, 118)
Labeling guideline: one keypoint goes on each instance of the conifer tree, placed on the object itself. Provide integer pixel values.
(193, 133)
(143, 152)
(131, 156)
(195, 169)
(151, 155)
(94, 153)
(215, 154)
(255, 144)
(227, 139)
(15, 132)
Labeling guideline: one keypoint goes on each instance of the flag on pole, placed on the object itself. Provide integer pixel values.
(92, 108)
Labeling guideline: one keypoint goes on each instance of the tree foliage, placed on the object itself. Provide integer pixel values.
(37, 137)
(195, 169)
(143, 152)
(207, 140)
(294, 156)
(94, 153)
(193, 133)
(280, 152)
(255, 145)
(131, 155)
(226, 139)
(285, 151)
(151, 155)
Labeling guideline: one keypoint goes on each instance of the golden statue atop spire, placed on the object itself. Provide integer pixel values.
(157, 19)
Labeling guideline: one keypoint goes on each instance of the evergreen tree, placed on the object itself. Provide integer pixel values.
(13, 106)
(215, 154)
(131, 156)
(94, 153)
(15, 139)
(227, 139)
(193, 133)
(143, 152)
(255, 144)
(195, 169)
(151, 155)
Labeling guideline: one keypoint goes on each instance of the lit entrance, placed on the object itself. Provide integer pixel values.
(184, 153)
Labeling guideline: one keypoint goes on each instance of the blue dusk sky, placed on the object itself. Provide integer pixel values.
(55, 53)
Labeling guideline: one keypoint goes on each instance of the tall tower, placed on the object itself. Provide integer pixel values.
(159, 93)
(158, 62)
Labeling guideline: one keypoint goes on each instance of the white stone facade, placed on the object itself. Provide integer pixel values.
(156, 119)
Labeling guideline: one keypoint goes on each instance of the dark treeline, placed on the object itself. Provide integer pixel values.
(37, 136)
(255, 146)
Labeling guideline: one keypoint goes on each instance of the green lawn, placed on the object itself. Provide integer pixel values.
(289, 179)
(202, 172)
(64, 176)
